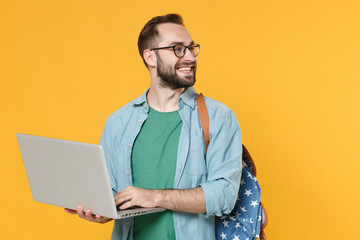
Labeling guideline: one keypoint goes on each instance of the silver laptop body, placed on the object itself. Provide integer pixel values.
(67, 174)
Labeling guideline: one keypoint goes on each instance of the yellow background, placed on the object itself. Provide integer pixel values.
(288, 69)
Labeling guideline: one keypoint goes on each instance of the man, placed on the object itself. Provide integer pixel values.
(155, 151)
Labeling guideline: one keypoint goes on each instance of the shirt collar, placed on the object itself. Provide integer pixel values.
(188, 97)
(142, 99)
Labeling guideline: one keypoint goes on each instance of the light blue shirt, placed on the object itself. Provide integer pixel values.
(217, 171)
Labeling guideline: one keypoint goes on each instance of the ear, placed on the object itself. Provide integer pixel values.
(150, 57)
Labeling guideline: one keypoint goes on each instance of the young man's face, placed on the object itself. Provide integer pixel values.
(175, 72)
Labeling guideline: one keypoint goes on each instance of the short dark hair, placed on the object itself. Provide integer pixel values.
(149, 34)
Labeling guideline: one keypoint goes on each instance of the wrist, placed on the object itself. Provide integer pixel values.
(158, 198)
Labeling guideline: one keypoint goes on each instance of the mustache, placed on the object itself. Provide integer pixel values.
(186, 64)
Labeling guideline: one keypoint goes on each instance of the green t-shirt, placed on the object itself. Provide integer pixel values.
(153, 163)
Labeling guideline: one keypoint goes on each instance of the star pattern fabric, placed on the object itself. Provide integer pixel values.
(244, 221)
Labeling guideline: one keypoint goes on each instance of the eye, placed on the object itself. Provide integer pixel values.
(179, 48)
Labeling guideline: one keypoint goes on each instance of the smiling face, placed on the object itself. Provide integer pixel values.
(175, 72)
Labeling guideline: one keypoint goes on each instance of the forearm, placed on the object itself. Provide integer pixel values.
(189, 200)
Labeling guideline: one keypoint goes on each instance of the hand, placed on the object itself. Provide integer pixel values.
(186, 200)
(87, 215)
(134, 196)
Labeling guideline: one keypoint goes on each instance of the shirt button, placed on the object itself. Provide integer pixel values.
(130, 145)
(128, 172)
(145, 106)
(127, 223)
(140, 121)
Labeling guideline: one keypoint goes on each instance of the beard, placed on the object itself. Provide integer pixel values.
(170, 79)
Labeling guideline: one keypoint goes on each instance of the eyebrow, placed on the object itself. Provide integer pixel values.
(174, 43)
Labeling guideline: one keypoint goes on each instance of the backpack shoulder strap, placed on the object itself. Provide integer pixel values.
(204, 118)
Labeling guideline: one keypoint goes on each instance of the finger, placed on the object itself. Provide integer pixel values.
(124, 195)
(101, 219)
(80, 212)
(88, 214)
(119, 199)
(97, 218)
(126, 205)
(71, 211)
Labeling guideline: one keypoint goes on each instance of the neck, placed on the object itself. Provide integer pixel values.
(163, 99)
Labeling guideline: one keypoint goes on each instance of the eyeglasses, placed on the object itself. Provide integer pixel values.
(180, 49)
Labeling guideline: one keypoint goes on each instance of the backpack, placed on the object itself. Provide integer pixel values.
(248, 219)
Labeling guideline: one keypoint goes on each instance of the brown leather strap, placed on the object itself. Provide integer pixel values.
(204, 118)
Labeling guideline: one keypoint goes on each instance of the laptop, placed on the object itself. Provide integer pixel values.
(67, 174)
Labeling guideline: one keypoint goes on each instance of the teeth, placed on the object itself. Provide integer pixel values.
(185, 69)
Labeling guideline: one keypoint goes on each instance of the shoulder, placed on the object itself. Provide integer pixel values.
(218, 110)
(214, 104)
(128, 110)
(122, 116)
(121, 112)
(221, 118)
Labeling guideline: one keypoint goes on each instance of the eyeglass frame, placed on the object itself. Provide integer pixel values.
(185, 48)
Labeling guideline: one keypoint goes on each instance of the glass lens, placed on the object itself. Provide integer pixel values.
(195, 49)
(179, 50)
